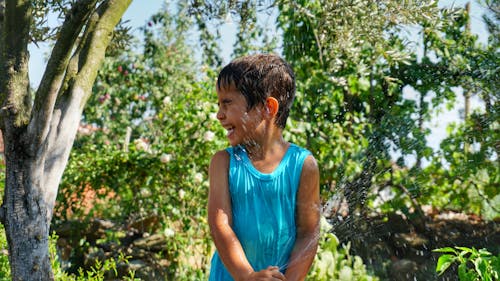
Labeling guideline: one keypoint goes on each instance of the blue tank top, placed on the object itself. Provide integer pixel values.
(263, 209)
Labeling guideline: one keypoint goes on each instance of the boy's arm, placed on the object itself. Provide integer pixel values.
(307, 220)
(220, 222)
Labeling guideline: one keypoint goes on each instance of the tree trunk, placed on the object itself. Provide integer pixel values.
(38, 138)
(467, 92)
(27, 219)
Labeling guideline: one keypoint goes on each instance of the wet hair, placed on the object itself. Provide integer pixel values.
(258, 77)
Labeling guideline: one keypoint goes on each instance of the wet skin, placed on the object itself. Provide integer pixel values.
(240, 122)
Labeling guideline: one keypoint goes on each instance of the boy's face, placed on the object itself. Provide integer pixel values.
(242, 124)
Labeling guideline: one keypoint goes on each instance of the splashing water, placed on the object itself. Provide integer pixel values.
(305, 253)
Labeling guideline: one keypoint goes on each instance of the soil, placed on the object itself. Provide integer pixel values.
(395, 248)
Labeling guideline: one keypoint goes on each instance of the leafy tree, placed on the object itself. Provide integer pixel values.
(349, 96)
(127, 154)
(252, 35)
(132, 88)
(353, 64)
(38, 134)
(467, 167)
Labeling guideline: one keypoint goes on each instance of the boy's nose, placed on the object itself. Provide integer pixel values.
(220, 115)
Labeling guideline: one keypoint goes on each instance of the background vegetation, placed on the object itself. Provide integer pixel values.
(366, 96)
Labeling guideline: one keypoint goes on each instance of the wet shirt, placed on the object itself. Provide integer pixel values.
(263, 209)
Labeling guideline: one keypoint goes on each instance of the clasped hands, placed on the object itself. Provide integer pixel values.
(271, 273)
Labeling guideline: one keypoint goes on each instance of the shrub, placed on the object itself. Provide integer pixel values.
(472, 264)
(334, 263)
(98, 272)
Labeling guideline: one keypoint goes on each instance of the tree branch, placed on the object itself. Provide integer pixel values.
(483, 196)
(2, 17)
(2, 58)
(98, 37)
(80, 76)
(51, 82)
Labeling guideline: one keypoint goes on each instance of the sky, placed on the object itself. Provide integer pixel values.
(139, 12)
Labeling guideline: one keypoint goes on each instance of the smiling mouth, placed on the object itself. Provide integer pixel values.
(229, 131)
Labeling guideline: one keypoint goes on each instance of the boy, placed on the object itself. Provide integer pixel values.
(263, 206)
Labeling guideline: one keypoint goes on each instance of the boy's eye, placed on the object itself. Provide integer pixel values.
(224, 102)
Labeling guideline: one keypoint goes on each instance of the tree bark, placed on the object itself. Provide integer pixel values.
(38, 139)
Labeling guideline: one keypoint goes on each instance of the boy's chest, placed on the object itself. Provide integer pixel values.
(250, 188)
(269, 163)
(266, 167)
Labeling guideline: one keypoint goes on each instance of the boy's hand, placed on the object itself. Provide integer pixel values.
(271, 273)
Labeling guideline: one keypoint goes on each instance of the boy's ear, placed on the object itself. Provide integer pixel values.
(272, 106)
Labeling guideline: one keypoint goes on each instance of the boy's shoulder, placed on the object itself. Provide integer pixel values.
(220, 158)
(298, 148)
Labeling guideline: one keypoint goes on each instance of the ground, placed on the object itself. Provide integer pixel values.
(394, 248)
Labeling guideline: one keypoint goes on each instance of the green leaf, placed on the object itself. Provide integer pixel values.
(467, 250)
(481, 266)
(444, 262)
(464, 274)
(446, 250)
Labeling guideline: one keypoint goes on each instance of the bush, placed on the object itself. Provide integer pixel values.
(472, 264)
(98, 272)
(334, 263)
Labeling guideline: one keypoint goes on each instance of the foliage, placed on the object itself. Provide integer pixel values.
(334, 263)
(137, 185)
(472, 264)
(253, 22)
(467, 179)
(145, 144)
(464, 174)
(363, 88)
(347, 90)
(4, 258)
(134, 90)
(101, 271)
(43, 30)
(97, 273)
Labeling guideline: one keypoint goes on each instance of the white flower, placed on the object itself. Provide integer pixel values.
(198, 178)
(169, 232)
(201, 115)
(167, 100)
(213, 116)
(165, 158)
(145, 192)
(207, 105)
(209, 136)
(182, 193)
(141, 144)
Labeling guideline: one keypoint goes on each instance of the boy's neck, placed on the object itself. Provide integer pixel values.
(268, 146)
